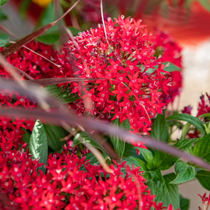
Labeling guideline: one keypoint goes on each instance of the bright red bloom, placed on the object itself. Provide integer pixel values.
(123, 57)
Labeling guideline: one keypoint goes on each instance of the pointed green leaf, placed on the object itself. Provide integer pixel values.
(202, 148)
(188, 118)
(38, 146)
(160, 128)
(119, 145)
(86, 139)
(184, 203)
(136, 162)
(4, 39)
(147, 154)
(171, 67)
(204, 178)
(74, 31)
(63, 94)
(49, 37)
(185, 144)
(54, 134)
(26, 136)
(184, 172)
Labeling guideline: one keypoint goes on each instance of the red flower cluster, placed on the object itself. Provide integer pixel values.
(70, 183)
(169, 51)
(122, 54)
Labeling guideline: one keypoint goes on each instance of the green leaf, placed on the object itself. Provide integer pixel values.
(160, 128)
(119, 145)
(185, 144)
(147, 154)
(184, 172)
(86, 139)
(2, 2)
(74, 31)
(49, 38)
(206, 4)
(204, 178)
(171, 67)
(38, 144)
(136, 162)
(185, 130)
(202, 148)
(184, 203)
(3, 16)
(188, 118)
(163, 161)
(130, 150)
(64, 95)
(54, 134)
(4, 39)
(26, 136)
(164, 191)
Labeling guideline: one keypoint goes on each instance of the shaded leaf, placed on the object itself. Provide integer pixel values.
(160, 128)
(189, 118)
(74, 31)
(147, 154)
(184, 203)
(26, 136)
(38, 144)
(4, 39)
(204, 178)
(119, 145)
(54, 134)
(202, 148)
(184, 172)
(49, 38)
(24, 8)
(3, 16)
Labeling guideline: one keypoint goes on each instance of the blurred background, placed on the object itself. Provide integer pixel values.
(186, 22)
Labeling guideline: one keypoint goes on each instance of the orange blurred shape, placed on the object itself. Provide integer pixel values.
(187, 26)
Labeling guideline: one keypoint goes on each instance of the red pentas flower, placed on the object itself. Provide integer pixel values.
(169, 51)
(121, 54)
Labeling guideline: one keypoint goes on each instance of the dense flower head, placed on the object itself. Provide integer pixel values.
(70, 182)
(121, 54)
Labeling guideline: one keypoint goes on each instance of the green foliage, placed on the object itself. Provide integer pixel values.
(3, 16)
(54, 134)
(2, 2)
(119, 145)
(49, 38)
(62, 94)
(171, 67)
(164, 191)
(202, 148)
(184, 203)
(184, 172)
(38, 146)
(190, 119)
(206, 4)
(4, 39)
(204, 178)
(160, 128)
